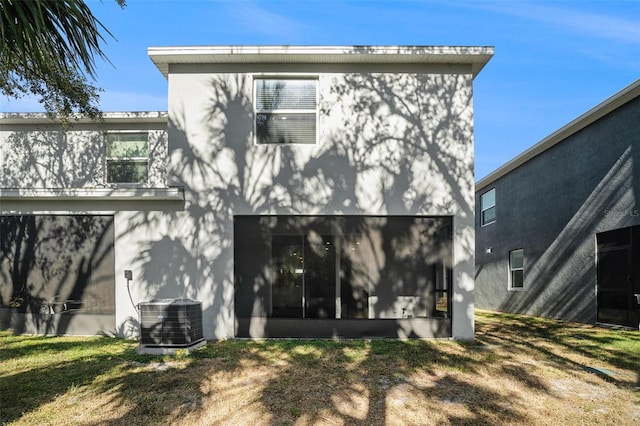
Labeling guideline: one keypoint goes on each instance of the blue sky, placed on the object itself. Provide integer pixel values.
(553, 60)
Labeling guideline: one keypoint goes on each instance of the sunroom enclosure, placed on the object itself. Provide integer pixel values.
(342, 276)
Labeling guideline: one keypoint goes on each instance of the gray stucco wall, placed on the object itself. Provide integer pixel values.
(552, 207)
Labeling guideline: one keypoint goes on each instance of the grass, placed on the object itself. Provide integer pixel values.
(519, 370)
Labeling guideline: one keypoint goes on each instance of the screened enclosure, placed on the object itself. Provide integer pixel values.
(328, 276)
(57, 274)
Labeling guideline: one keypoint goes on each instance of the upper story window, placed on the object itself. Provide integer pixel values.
(286, 111)
(127, 158)
(516, 269)
(488, 207)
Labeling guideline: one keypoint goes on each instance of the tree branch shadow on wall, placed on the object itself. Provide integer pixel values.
(48, 159)
(197, 247)
(228, 174)
(55, 270)
(48, 265)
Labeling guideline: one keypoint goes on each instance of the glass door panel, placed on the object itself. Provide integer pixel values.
(613, 286)
(304, 276)
(287, 268)
(357, 273)
(320, 276)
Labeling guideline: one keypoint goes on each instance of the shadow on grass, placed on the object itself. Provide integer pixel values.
(382, 381)
(311, 381)
(353, 382)
(49, 367)
(620, 348)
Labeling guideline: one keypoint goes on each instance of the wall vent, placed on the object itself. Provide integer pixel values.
(172, 323)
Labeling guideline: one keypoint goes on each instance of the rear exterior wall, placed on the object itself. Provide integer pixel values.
(391, 141)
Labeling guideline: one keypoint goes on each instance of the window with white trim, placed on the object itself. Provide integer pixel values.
(516, 269)
(127, 157)
(488, 207)
(286, 110)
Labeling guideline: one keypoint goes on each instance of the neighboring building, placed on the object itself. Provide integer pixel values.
(558, 227)
(303, 191)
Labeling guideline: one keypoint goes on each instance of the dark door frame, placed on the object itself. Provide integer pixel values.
(631, 248)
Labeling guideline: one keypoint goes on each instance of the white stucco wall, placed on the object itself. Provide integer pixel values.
(392, 140)
(389, 143)
(45, 169)
(40, 154)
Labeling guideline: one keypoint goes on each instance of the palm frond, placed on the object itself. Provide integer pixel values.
(48, 48)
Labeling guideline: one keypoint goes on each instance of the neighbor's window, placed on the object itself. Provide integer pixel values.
(488, 207)
(286, 111)
(127, 158)
(516, 269)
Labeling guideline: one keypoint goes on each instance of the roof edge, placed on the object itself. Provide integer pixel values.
(477, 56)
(620, 98)
(107, 117)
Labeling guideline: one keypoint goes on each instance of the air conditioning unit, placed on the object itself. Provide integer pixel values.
(170, 323)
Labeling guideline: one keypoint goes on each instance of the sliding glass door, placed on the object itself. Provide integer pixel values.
(303, 276)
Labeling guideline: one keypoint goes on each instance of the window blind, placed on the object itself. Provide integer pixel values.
(286, 111)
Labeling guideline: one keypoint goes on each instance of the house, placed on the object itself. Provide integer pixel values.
(558, 227)
(302, 192)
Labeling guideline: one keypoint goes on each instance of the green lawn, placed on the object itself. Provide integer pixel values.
(519, 370)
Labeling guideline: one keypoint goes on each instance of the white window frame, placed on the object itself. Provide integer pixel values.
(483, 208)
(512, 270)
(305, 77)
(108, 159)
